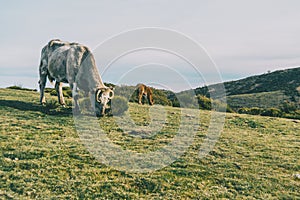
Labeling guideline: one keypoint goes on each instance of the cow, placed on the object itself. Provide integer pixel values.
(74, 64)
(145, 91)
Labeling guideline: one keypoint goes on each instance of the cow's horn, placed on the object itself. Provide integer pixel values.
(97, 95)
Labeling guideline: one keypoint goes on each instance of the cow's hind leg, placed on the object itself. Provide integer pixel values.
(58, 88)
(42, 83)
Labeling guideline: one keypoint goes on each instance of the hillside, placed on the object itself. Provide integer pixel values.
(287, 81)
(260, 100)
(42, 156)
(277, 91)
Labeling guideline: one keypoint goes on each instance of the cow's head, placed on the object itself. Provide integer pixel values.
(103, 97)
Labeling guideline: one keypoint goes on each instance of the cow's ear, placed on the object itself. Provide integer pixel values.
(112, 88)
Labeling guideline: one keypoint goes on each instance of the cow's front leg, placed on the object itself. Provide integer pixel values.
(58, 88)
(42, 83)
(140, 97)
(75, 95)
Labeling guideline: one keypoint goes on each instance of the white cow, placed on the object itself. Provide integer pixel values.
(73, 63)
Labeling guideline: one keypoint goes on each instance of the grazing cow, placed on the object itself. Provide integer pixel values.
(144, 91)
(73, 63)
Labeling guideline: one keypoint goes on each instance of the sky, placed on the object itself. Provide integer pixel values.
(193, 43)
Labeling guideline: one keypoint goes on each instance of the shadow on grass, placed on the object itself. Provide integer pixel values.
(26, 106)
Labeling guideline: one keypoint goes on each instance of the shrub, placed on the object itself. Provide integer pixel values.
(255, 111)
(243, 110)
(160, 98)
(272, 112)
(288, 107)
(15, 87)
(51, 104)
(20, 88)
(119, 105)
(53, 93)
(204, 102)
(229, 109)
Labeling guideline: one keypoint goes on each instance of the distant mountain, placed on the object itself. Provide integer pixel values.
(286, 81)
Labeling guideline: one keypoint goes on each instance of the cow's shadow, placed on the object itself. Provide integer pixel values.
(32, 106)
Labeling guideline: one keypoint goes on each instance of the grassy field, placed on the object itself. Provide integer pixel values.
(42, 157)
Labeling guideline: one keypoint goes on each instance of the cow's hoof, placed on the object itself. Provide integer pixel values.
(99, 114)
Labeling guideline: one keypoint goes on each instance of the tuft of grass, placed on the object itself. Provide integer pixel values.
(51, 104)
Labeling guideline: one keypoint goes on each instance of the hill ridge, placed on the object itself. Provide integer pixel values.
(286, 80)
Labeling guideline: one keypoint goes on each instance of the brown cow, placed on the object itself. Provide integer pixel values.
(144, 91)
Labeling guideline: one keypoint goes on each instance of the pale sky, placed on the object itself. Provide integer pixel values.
(242, 37)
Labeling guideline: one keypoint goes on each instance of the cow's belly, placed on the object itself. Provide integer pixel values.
(57, 67)
(58, 72)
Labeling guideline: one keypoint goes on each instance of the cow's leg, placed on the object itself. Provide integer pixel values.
(149, 100)
(75, 95)
(42, 83)
(140, 97)
(103, 109)
(58, 87)
(93, 101)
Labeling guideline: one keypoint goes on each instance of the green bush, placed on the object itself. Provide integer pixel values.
(243, 110)
(295, 115)
(288, 107)
(119, 105)
(160, 98)
(175, 103)
(204, 102)
(272, 112)
(53, 93)
(255, 111)
(20, 88)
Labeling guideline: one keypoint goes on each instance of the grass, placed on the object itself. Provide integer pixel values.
(42, 156)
